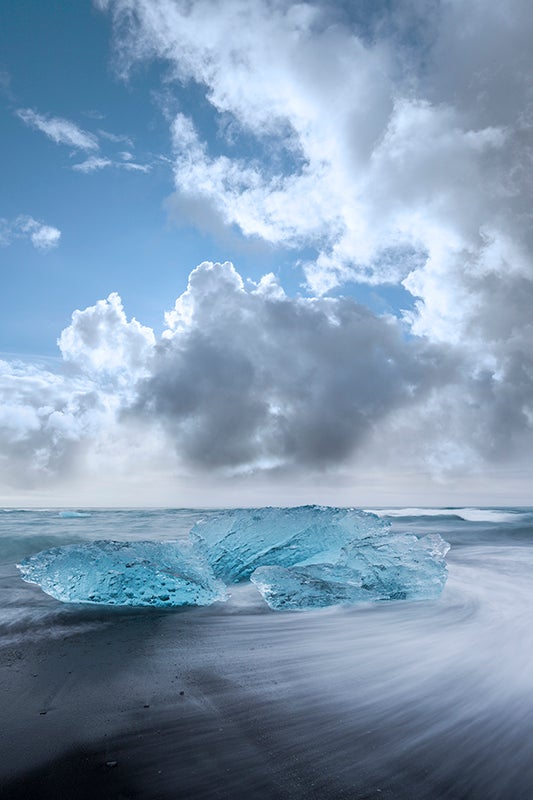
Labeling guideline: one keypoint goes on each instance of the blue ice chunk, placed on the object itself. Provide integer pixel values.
(399, 566)
(236, 542)
(124, 574)
(388, 567)
(73, 514)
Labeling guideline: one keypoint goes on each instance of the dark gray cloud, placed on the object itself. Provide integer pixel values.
(246, 380)
(253, 379)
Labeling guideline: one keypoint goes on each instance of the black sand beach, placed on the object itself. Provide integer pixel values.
(200, 705)
(411, 701)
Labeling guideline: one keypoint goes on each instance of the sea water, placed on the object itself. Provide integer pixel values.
(425, 699)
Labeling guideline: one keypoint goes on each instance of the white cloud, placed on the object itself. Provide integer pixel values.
(61, 131)
(44, 419)
(43, 237)
(96, 163)
(248, 381)
(396, 143)
(283, 210)
(117, 138)
(92, 164)
(132, 166)
(59, 424)
(101, 341)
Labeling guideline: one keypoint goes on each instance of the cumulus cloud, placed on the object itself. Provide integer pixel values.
(43, 237)
(56, 423)
(395, 142)
(44, 418)
(59, 130)
(97, 163)
(246, 378)
(246, 381)
(102, 342)
(250, 378)
(243, 379)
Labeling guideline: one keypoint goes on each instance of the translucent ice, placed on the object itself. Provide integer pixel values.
(386, 567)
(305, 557)
(237, 542)
(124, 574)
(73, 514)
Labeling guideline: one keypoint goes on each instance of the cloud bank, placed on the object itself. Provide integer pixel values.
(247, 381)
(380, 144)
(394, 141)
(250, 379)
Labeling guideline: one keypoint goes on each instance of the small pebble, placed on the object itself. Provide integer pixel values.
(146, 705)
(182, 693)
(42, 713)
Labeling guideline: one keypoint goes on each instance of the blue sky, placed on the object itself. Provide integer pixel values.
(116, 235)
(112, 225)
(364, 168)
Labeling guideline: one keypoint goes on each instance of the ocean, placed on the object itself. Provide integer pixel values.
(404, 700)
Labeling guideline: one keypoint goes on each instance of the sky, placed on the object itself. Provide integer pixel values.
(259, 252)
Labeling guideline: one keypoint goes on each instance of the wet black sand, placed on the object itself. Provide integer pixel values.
(403, 701)
(219, 704)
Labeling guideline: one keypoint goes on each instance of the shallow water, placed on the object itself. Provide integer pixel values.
(398, 700)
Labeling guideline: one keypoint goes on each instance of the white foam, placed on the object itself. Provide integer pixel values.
(468, 514)
(488, 515)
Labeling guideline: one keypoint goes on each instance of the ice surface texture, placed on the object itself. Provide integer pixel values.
(237, 542)
(315, 556)
(306, 557)
(390, 567)
(124, 574)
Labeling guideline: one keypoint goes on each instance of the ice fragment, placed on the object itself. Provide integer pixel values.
(124, 574)
(387, 567)
(237, 542)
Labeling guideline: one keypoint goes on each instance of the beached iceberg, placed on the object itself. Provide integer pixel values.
(306, 557)
(239, 541)
(387, 567)
(124, 574)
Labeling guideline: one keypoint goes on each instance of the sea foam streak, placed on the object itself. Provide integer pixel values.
(467, 514)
